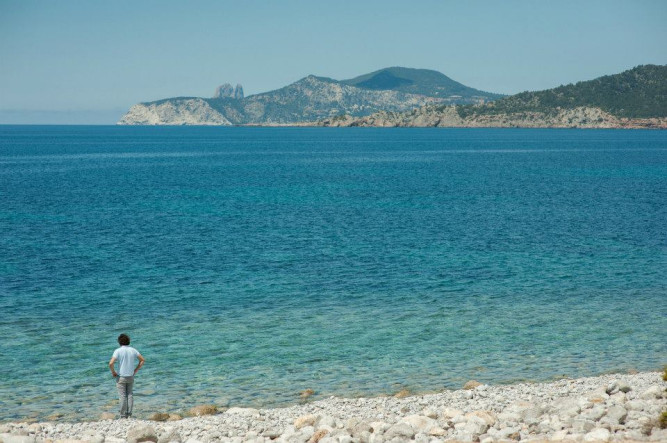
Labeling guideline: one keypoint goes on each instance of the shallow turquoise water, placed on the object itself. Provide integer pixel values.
(249, 264)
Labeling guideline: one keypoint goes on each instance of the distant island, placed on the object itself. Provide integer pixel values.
(405, 97)
(311, 99)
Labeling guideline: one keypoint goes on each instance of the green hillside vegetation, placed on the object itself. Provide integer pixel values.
(640, 92)
(417, 81)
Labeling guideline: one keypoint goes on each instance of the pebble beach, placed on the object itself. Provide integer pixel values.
(614, 407)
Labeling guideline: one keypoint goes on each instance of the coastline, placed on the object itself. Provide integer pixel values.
(611, 407)
(392, 120)
(448, 117)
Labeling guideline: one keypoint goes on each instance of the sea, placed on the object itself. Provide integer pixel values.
(249, 265)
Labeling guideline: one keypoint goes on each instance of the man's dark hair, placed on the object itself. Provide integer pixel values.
(123, 339)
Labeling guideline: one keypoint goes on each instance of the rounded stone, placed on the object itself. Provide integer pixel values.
(141, 433)
(306, 420)
(599, 434)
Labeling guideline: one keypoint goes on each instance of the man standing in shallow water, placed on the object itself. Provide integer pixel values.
(127, 357)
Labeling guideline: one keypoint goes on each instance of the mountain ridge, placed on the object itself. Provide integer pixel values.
(418, 81)
(310, 98)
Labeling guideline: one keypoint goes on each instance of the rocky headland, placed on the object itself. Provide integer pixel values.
(184, 111)
(615, 407)
(310, 99)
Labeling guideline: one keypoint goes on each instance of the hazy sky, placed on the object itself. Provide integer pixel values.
(88, 61)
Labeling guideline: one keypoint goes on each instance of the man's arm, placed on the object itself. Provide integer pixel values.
(113, 371)
(142, 360)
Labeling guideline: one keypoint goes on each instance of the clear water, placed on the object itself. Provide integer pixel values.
(249, 264)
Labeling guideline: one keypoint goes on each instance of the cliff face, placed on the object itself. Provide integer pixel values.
(449, 117)
(189, 111)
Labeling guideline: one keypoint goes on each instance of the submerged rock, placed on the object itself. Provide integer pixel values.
(472, 384)
(159, 416)
(306, 393)
(203, 410)
(402, 393)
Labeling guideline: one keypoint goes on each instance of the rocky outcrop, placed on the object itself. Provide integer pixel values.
(238, 92)
(580, 117)
(181, 111)
(223, 91)
(227, 91)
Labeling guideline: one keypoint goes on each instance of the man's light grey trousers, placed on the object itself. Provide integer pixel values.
(124, 385)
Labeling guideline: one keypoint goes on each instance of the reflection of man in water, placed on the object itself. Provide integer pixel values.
(127, 357)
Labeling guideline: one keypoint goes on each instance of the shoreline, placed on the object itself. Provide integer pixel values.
(610, 407)
(327, 124)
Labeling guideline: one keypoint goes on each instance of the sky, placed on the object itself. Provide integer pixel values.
(88, 61)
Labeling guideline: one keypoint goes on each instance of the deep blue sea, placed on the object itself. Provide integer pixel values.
(250, 264)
